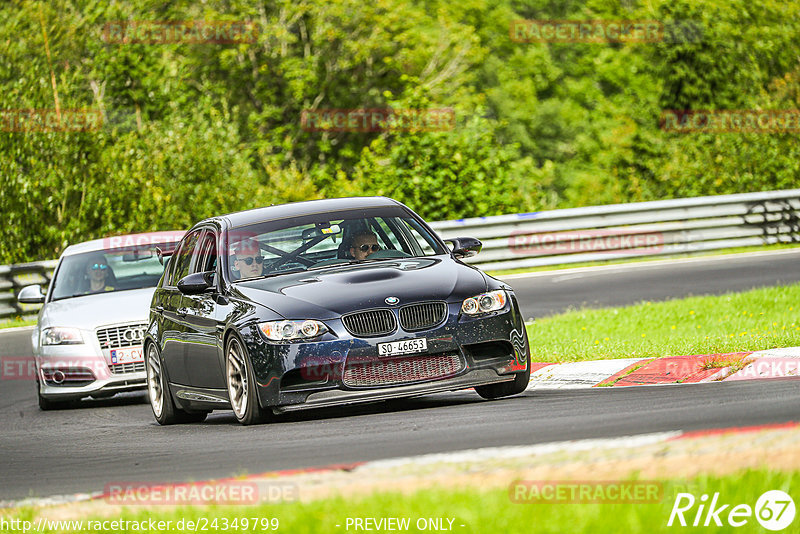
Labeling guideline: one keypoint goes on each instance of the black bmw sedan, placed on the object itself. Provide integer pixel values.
(325, 303)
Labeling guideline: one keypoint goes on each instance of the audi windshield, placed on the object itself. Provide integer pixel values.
(105, 271)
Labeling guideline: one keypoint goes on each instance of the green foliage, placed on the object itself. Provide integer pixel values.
(197, 129)
(758, 319)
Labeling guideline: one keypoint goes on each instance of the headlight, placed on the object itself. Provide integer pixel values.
(485, 302)
(288, 330)
(61, 336)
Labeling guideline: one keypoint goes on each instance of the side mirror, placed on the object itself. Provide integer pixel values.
(31, 295)
(196, 283)
(465, 247)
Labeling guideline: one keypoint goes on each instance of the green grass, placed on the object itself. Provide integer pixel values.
(752, 320)
(491, 511)
(641, 259)
(17, 321)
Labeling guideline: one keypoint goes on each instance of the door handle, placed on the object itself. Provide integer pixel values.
(159, 309)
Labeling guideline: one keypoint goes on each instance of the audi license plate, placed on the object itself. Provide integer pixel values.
(127, 355)
(407, 346)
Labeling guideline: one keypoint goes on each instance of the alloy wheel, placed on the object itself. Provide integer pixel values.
(155, 386)
(237, 378)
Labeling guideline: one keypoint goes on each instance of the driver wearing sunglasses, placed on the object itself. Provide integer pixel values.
(363, 245)
(97, 272)
(248, 260)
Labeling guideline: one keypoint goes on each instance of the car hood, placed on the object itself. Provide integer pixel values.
(91, 311)
(331, 292)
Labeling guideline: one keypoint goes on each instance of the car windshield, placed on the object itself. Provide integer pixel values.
(324, 240)
(106, 271)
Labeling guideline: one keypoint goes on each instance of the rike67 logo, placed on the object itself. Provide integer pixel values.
(774, 510)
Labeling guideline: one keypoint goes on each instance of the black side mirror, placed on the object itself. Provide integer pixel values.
(465, 247)
(196, 283)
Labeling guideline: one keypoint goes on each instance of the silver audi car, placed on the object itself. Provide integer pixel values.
(88, 338)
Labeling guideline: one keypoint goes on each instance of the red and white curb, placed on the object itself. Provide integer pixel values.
(764, 364)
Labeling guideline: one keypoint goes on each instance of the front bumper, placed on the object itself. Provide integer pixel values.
(71, 372)
(293, 376)
(334, 397)
(130, 382)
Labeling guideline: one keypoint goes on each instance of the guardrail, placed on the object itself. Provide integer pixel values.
(601, 233)
(15, 277)
(595, 233)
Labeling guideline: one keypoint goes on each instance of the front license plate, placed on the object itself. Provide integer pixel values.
(407, 346)
(127, 355)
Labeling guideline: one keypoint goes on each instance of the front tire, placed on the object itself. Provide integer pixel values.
(164, 409)
(505, 389)
(46, 404)
(242, 385)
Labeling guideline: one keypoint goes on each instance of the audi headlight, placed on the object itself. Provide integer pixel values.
(61, 336)
(484, 303)
(292, 330)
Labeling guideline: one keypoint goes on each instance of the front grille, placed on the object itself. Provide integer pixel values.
(402, 370)
(123, 368)
(422, 316)
(67, 376)
(370, 323)
(116, 337)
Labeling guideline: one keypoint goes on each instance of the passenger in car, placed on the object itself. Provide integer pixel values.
(363, 245)
(247, 259)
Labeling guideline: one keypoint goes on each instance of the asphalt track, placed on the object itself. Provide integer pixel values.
(546, 293)
(116, 440)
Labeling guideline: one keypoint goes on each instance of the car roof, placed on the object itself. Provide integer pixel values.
(309, 207)
(121, 241)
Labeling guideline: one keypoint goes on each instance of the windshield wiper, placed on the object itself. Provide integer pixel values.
(81, 295)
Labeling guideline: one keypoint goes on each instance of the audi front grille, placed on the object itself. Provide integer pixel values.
(124, 368)
(118, 337)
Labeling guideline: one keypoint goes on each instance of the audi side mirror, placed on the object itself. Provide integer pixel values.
(465, 247)
(196, 283)
(31, 295)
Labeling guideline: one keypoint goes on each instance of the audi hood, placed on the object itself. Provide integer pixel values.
(92, 311)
